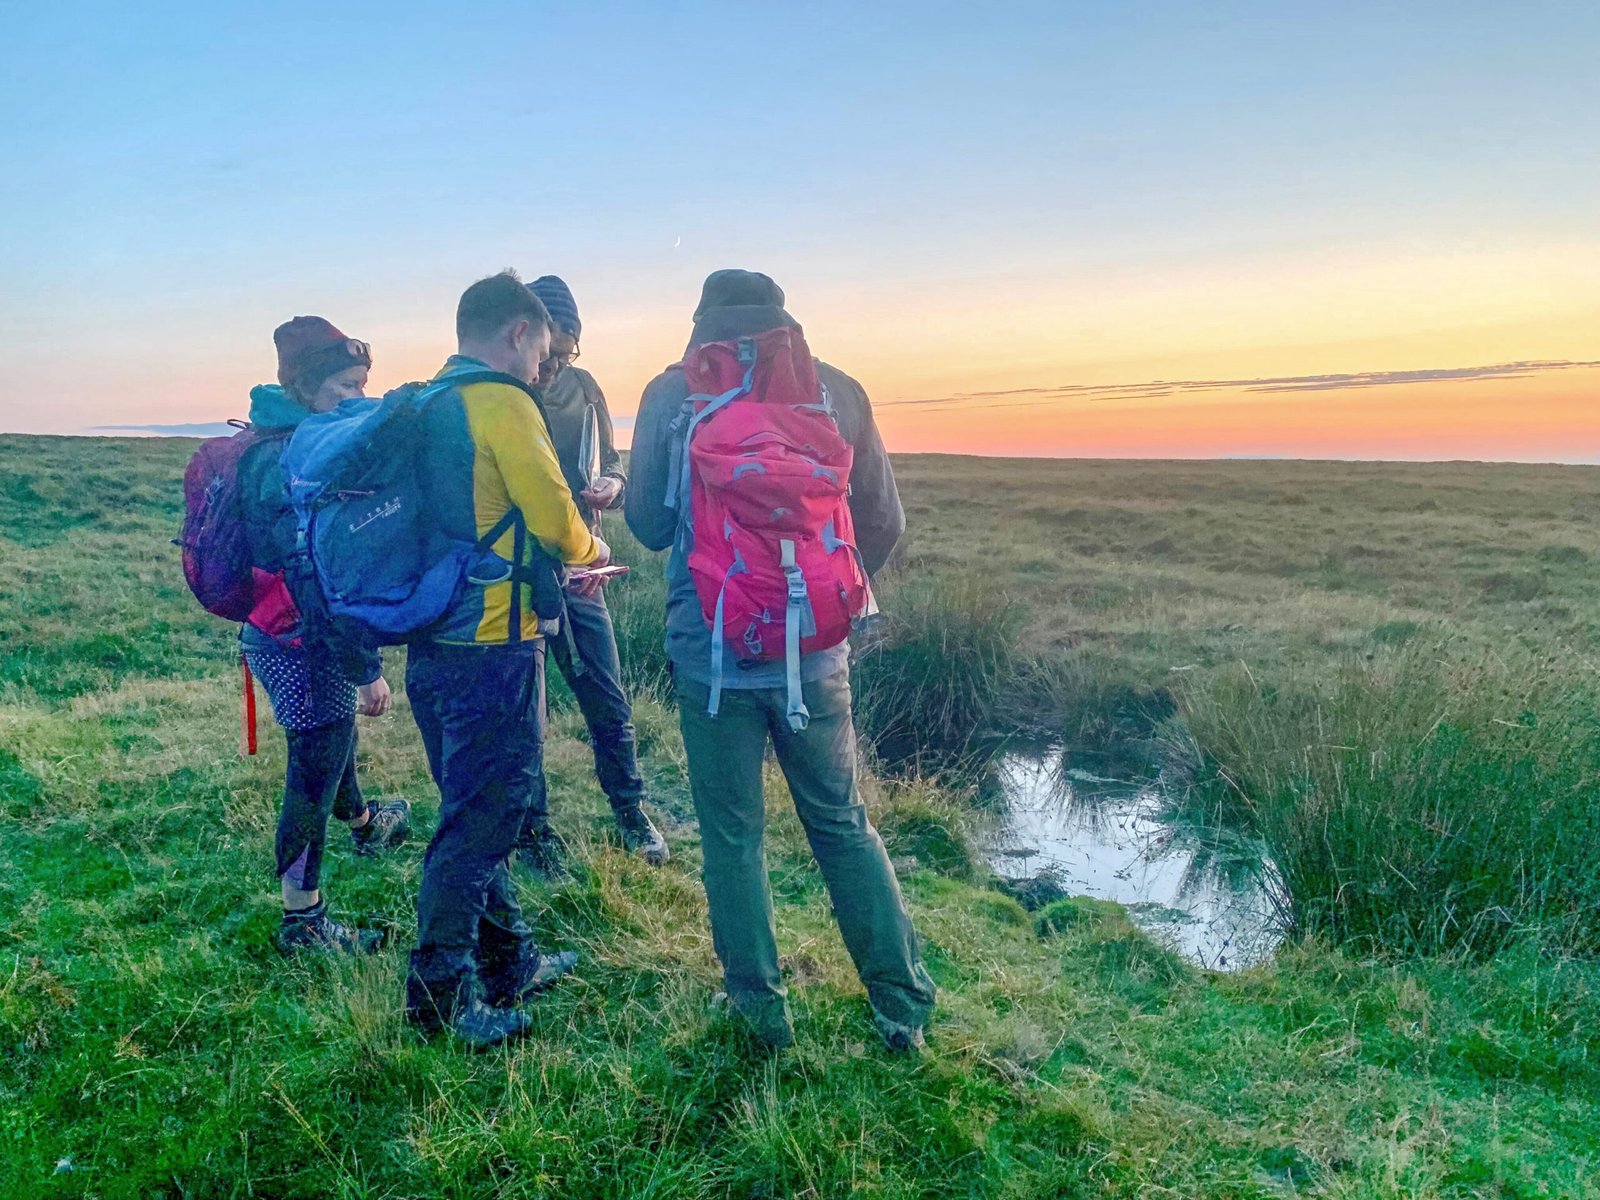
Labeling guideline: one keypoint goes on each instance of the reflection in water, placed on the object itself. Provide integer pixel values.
(1211, 896)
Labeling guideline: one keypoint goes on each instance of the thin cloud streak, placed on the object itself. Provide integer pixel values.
(1160, 389)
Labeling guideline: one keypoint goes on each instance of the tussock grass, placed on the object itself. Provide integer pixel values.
(1418, 800)
(948, 656)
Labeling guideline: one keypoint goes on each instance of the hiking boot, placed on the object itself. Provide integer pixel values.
(640, 836)
(544, 853)
(387, 826)
(312, 929)
(769, 1025)
(481, 1026)
(507, 984)
(899, 1038)
(451, 997)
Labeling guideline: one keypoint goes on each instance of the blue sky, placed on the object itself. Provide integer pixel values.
(182, 179)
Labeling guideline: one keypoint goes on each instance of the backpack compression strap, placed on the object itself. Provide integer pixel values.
(798, 604)
(717, 641)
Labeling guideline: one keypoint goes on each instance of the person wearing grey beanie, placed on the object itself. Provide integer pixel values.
(585, 650)
(734, 705)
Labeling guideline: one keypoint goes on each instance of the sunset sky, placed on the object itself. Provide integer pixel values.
(1155, 229)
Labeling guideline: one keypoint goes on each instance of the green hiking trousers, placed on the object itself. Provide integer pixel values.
(725, 755)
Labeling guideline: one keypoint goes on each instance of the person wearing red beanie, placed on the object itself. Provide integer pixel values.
(318, 365)
(316, 684)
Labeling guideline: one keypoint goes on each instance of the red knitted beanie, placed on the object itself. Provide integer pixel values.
(312, 348)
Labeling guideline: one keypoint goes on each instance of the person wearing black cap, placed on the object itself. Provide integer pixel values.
(586, 648)
(725, 751)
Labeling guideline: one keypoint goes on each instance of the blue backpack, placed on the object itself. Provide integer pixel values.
(368, 545)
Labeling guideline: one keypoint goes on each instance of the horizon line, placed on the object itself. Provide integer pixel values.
(1594, 461)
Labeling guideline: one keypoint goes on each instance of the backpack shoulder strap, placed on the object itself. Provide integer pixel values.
(513, 520)
(513, 517)
(678, 471)
(467, 378)
(257, 438)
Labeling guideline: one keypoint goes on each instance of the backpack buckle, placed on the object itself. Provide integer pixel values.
(747, 351)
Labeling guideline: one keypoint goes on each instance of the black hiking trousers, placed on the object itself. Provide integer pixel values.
(320, 782)
(478, 709)
(585, 651)
(315, 704)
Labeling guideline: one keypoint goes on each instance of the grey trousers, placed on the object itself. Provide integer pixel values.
(725, 754)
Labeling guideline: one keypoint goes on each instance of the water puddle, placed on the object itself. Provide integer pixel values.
(1208, 896)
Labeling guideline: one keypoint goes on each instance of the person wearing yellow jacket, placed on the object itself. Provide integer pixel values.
(476, 684)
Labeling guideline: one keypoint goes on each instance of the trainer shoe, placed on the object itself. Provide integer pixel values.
(312, 929)
(387, 826)
(544, 854)
(640, 836)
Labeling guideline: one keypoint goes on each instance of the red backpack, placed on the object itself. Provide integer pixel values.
(767, 472)
(216, 555)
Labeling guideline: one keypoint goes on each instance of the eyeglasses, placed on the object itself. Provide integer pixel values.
(564, 359)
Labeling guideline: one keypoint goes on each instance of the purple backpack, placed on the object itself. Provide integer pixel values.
(216, 555)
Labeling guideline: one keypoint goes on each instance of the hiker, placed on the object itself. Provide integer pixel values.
(476, 682)
(585, 647)
(780, 669)
(316, 685)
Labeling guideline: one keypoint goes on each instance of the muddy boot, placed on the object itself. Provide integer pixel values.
(453, 1001)
(387, 826)
(511, 978)
(481, 1027)
(899, 1038)
(311, 929)
(768, 1024)
(544, 854)
(640, 836)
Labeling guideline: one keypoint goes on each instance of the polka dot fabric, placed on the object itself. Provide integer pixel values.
(305, 694)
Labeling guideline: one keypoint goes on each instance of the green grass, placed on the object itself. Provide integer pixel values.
(152, 1042)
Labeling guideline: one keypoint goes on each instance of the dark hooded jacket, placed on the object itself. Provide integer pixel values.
(739, 304)
(567, 401)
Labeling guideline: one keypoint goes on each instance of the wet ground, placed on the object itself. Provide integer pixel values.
(1208, 894)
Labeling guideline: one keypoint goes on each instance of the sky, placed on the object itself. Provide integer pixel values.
(1161, 229)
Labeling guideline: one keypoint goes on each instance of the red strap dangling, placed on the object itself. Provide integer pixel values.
(247, 713)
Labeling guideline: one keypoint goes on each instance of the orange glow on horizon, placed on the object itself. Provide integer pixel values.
(1546, 415)
(938, 354)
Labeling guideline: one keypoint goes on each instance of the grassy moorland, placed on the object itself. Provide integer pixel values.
(1383, 670)
(1386, 670)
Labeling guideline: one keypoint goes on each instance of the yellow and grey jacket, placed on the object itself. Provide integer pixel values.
(489, 451)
